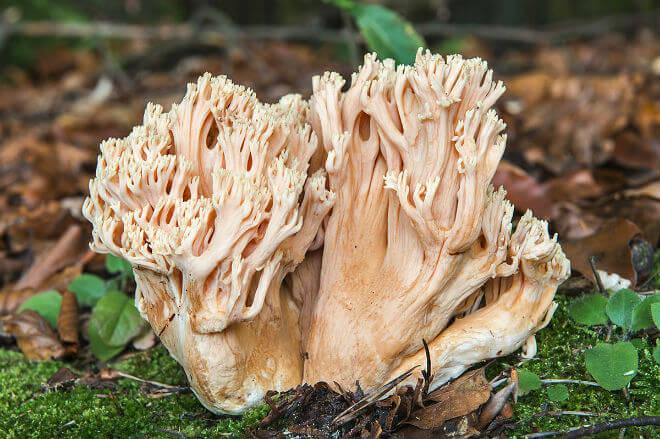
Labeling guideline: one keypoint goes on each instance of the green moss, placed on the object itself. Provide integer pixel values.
(561, 349)
(126, 412)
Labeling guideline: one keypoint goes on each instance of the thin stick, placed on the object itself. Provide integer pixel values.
(153, 383)
(599, 282)
(543, 434)
(572, 413)
(563, 381)
(589, 431)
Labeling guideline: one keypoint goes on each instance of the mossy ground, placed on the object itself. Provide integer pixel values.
(126, 412)
(561, 349)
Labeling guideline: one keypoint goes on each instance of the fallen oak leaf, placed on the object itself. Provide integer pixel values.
(458, 398)
(68, 247)
(34, 336)
(611, 247)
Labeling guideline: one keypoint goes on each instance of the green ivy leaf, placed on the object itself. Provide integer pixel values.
(527, 381)
(557, 392)
(613, 366)
(385, 31)
(114, 322)
(656, 352)
(620, 307)
(655, 314)
(115, 264)
(47, 304)
(88, 289)
(589, 310)
(641, 316)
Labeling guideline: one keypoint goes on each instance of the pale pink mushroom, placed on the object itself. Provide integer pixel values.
(212, 205)
(419, 245)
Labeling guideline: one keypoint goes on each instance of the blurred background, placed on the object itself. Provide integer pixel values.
(582, 105)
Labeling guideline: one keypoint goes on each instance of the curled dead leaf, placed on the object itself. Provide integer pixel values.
(67, 322)
(611, 245)
(34, 336)
(496, 404)
(67, 249)
(458, 398)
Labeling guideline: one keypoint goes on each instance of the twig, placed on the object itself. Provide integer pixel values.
(543, 434)
(599, 282)
(572, 413)
(497, 383)
(565, 381)
(591, 430)
(153, 383)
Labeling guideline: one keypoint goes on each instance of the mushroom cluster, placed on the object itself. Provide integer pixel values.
(259, 272)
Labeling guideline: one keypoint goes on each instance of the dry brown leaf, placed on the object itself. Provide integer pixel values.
(11, 299)
(496, 404)
(68, 248)
(458, 398)
(67, 322)
(34, 336)
(610, 245)
(524, 191)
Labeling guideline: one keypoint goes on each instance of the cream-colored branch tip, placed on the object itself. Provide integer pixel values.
(212, 205)
(419, 246)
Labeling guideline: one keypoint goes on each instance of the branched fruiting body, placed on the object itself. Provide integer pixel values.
(216, 208)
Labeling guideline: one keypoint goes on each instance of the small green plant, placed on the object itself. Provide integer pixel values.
(47, 304)
(614, 365)
(557, 392)
(114, 323)
(384, 31)
(88, 289)
(528, 382)
(589, 310)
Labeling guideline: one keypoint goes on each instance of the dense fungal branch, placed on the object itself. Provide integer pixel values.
(417, 230)
(212, 205)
